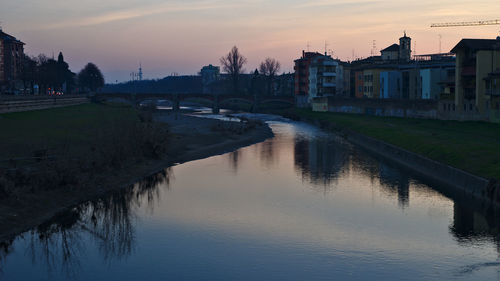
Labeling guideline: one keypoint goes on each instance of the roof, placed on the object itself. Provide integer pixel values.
(8, 37)
(391, 48)
(477, 44)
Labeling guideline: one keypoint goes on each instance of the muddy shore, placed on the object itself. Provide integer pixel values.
(192, 138)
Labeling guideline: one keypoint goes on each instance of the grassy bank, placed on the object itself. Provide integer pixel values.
(470, 146)
(64, 147)
(58, 129)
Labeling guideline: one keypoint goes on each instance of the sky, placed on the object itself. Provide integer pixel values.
(180, 36)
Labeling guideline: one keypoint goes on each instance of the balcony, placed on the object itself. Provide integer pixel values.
(329, 84)
(330, 74)
(492, 92)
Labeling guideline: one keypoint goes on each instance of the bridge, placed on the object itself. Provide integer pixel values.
(215, 100)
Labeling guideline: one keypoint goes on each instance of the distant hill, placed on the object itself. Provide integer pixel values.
(170, 84)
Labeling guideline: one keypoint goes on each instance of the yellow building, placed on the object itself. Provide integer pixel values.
(476, 76)
(371, 82)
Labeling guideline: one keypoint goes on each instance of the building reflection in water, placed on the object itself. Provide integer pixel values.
(320, 160)
(108, 222)
(475, 221)
(395, 182)
(233, 158)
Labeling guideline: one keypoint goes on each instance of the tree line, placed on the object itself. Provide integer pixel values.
(51, 75)
(233, 63)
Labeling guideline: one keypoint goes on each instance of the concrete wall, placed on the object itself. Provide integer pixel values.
(27, 103)
(434, 170)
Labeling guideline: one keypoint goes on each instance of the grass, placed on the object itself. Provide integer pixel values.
(470, 146)
(70, 127)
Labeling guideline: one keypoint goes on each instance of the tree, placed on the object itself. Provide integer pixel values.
(90, 77)
(270, 68)
(232, 63)
(28, 73)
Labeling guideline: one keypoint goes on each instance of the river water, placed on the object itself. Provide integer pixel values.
(303, 205)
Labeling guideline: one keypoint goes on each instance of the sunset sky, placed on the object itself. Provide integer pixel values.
(182, 36)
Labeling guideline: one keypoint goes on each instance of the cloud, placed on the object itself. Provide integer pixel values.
(328, 3)
(142, 12)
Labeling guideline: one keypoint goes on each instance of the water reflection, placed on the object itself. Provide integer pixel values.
(323, 160)
(475, 221)
(297, 190)
(108, 222)
(320, 160)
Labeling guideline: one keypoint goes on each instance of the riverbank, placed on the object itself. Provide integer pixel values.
(459, 154)
(189, 138)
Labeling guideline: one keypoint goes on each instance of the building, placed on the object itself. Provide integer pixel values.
(390, 84)
(11, 60)
(358, 83)
(390, 53)
(318, 75)
(476, 75)
(400, 53)
(209, 75)
(301, 79)
(323, 77)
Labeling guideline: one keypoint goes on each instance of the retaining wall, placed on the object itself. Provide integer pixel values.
(27, 103)
(434, 170)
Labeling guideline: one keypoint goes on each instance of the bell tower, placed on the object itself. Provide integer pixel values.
(404, 48)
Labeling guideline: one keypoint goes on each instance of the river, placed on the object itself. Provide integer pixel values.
(304, 205)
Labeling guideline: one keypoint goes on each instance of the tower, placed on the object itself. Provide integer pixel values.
(140, 72)
(405, 48)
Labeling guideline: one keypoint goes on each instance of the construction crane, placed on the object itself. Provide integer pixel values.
(466, 23)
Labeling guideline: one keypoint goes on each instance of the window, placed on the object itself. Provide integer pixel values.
(470, 107)
(360, 89)
(498, 105)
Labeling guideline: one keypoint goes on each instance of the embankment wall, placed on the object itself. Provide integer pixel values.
(27, 103)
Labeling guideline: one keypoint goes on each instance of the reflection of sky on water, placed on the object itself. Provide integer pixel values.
(301, 206)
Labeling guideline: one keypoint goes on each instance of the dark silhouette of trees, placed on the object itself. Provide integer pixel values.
(232, 63)
(270, 68)
(90, 78)
(47, 73)
(65, 78)
(29, 73)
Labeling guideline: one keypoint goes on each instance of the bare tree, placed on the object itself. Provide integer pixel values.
(232, 63)
(270, 68)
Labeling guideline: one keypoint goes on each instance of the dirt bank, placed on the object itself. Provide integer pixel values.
(191, 138)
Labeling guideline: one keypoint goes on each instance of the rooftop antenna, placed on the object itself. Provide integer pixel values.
(440, 37)
(140, 71)
(374, 47)
(326, 47)
(308, 45)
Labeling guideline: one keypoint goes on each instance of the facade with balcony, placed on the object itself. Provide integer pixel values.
(323, 77)
(477, 64)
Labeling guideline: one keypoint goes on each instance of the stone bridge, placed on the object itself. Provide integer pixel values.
(215, 100)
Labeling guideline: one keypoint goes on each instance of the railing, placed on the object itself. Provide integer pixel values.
(24, 103)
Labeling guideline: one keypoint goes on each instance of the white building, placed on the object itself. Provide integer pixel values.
(325, 77)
